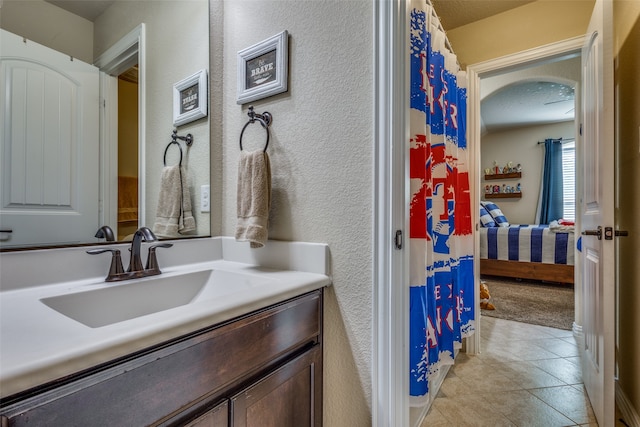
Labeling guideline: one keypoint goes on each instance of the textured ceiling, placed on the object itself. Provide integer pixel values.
(528, 103)
(456, 13)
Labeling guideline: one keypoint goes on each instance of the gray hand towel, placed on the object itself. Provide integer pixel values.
(174, 215)
(254, 198)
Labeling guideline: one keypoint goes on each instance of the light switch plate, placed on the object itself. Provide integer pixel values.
(205, 199)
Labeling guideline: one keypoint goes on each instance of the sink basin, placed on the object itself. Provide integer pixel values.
(128, 300)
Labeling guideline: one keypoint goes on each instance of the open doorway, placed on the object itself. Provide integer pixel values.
(527, 192)
(122, 189)
(128, 152)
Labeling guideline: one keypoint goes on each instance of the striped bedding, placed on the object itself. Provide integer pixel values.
(527, 243)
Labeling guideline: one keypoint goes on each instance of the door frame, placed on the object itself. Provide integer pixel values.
(390, 398)
(126, 52)
(475, 73)
(390, 335)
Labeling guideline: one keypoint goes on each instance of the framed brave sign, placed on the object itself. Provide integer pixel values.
(263, 69)
(190, 98)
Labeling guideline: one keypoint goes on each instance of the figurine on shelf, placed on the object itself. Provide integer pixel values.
(518, 188)
(487, 189)
(510, 168)
(504, 188)
(519, 168)
(509, 189)
(496, 189)
(487, 171)
(496, 168)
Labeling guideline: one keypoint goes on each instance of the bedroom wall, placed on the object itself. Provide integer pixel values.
(520, 145)
(627, 42)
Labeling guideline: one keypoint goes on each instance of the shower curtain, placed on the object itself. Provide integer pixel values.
(441, 242)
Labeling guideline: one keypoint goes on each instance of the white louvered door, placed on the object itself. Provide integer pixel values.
(49, 145)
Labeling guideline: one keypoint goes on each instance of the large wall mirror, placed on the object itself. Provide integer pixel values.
(87, 120)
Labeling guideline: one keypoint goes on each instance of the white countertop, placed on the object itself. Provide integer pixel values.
(39, 344)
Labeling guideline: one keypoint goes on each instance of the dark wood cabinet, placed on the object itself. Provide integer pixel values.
(288, 397)
(264, 368)
(216, 417)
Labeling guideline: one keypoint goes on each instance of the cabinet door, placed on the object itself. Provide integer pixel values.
(291, 396)
(216, 417)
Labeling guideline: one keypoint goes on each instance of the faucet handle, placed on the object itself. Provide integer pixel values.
(116, 262)
(152, 261)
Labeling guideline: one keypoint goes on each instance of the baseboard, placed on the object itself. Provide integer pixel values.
(629, 414)
(577, 330)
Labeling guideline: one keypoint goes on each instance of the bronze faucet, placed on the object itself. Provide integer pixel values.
(142, 234)
(135, 270)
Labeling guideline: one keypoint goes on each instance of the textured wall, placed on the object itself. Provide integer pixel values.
(322, 160)
(177, 35)
(532, 25)
(50, 26)
(520, 145)
(627, 36)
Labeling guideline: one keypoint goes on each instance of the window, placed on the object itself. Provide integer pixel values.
(569, 180)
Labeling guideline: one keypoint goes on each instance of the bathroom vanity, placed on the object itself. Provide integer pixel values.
(249, 358)
(264, 368)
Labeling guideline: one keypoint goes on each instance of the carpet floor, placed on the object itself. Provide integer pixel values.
(531, 302)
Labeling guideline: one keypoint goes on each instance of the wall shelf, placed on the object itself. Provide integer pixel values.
(504, 196)
(512, 175)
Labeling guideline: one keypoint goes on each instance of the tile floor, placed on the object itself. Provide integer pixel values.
(526, 375)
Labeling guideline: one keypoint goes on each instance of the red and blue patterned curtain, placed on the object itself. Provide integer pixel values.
(441, 241)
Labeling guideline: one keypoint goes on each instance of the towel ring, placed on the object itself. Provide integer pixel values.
(174, 140)
(167, 149)
(265, 120)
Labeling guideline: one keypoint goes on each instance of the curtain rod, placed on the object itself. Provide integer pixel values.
(447, 43)
(558, 140)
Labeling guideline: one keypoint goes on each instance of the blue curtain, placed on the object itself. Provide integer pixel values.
(551, 201)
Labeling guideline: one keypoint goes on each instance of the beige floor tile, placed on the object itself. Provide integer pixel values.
(562, 369)
(572, 403)
(528, 376)
(435, 419)
(561, 333)
(575, 360)
(525, 409)
(558, 346)
(527, 350)
(470, 410)
(525, 376)
(486, 381)
(454, 386)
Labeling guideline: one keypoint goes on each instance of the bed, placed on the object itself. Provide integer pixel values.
(537, 252)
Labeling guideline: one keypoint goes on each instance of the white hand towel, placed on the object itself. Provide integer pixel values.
(174, 215)
(254, 198)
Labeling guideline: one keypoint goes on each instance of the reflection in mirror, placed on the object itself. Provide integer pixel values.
(68, 170)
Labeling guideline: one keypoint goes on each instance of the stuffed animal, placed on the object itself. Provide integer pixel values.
(484, 297)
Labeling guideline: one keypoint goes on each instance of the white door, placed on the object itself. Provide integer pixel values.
(49, 145)
(597, 215)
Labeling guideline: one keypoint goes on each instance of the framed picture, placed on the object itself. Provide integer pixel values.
(263, 69)
(190, 98)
